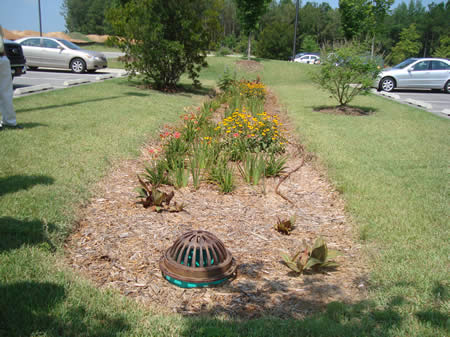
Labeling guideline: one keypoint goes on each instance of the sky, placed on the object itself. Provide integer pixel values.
(24, 14)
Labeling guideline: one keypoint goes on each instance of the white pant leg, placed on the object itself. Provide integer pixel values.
(6, 93)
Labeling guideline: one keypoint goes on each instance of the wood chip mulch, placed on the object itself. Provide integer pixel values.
(118, 243)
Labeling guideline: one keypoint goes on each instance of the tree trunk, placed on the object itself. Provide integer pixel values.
(373, 47)
(249, 45)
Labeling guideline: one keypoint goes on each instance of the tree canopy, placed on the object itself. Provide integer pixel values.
(269, 25)
(162, 39)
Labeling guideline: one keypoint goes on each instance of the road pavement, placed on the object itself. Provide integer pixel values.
(436, 102)
(49, 79)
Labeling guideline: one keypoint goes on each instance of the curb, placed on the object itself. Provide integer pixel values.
(446, 112)
(74, 82)
(34, 88)
(390, 95)
(104, 77)
(418, 103)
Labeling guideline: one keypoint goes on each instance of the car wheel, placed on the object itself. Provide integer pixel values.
(77, 65)
(447, 87)
(387, 84)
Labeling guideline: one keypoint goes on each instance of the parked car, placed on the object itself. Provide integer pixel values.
(59, 53)
(15, 55)
(419, 73)
(308, 58)
(297, 56)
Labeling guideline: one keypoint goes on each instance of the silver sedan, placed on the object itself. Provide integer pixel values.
(59, 53)
(417, 73)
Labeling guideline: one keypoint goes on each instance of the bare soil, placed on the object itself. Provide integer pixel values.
(118, 243)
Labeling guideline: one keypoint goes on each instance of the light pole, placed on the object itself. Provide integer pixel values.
(295, 30)
(40, 21)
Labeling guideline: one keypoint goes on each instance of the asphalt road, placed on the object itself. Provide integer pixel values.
(435, 102)
(48, 79)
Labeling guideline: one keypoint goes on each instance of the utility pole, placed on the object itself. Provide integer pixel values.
(40, 21)
(295, 30)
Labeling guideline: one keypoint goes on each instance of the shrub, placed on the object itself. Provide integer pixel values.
(162, 38)
(223, 51)
(345, 72)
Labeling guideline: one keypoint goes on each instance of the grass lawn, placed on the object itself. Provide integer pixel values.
(391, 168)
(100, 47)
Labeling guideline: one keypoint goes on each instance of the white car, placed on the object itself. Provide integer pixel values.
(59, 53)
(417, 73)
(308, 58)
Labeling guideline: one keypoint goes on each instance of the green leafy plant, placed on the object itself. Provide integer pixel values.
(222, 174)
(227, 80)
(285, 226)
(195, 167)
(252, 168)
(315, 257)
(275, 165)
(157, 173)
(175, 150)
(180, 175)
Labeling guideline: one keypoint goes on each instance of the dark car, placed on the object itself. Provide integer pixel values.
(15, 55)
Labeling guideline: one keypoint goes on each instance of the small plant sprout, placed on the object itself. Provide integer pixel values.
(285, 226)
(315, 257)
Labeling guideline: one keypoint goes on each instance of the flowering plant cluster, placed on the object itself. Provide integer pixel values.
(200, 150)
(260, 132)
(253, 89)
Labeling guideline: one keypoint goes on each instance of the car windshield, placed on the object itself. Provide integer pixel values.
(404, 64)
(69, 44)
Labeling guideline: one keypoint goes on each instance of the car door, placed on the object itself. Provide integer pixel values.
(419, 75)
(305, 59)
(314, 59)
(53, 54)
(440, 74)
(32, 50)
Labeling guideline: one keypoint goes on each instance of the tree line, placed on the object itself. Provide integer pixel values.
(410, 29)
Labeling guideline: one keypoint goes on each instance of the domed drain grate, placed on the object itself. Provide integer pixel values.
(197, 259)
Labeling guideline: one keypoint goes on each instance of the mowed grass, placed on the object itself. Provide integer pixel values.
(391, 168)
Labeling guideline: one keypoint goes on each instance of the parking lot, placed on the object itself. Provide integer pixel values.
(435, 102)
(49, 79)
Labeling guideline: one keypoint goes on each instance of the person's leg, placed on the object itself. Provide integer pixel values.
(6, 93)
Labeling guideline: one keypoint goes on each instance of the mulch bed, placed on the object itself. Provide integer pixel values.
(118, 243)
(346, 110)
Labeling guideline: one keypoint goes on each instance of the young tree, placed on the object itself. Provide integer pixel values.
(249, 13)
(346, 72)
(362, 18)
(309, 44)
(408, 46)
(444, 48)
(87, 17)
(162, 39)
